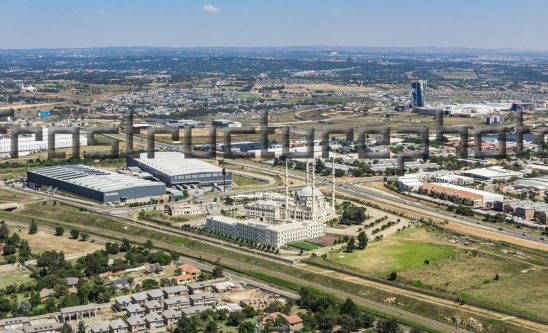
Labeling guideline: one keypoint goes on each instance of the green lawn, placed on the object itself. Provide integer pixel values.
(246, 181)
(15, 276)
(304, 245)
(394, 254)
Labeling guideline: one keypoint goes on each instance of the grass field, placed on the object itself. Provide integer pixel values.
(246, 181)
(304, 245)
(396, 253)
(13, 276)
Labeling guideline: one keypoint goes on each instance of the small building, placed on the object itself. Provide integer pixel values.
(175, 291)
(101, 326)
(45, 293)
(118, 326)
(183, 279)
(225, 286)
(154, 321)
(136, 324)
(153, 268)
(155, 295)
(225, 123)
(200, 287)
(120, 283)
(171, 317)
(230, 307)
(191, 270)
(121, 302)
(204, 298)
(133, 310)
(293, 322)
(78, 312)
(189, 312)
(42, 328)
(139, 298)
(14, 323)
(72, 284)
(153, 307)
(176, 303)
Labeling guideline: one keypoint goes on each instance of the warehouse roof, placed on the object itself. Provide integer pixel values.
(174, 163)
(92, 178)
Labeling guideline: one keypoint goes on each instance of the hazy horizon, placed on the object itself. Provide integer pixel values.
(487, 24)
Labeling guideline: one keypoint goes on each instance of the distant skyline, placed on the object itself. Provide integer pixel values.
(486, 24)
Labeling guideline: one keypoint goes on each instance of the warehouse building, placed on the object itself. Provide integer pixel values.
(473, 197)
(490, 174)
(95, 184)
(173, 168)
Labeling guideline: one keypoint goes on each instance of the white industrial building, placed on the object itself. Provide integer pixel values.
(494, 173)
(173, 168)
(274, 235)
(27, 142)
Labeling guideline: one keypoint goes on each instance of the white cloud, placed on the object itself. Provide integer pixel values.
(210, 9)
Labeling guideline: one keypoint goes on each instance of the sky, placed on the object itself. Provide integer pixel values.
(494, 24)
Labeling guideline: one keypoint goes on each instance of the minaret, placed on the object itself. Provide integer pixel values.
(333, 182)
(286, 192)
(306, 179)
(312, 188)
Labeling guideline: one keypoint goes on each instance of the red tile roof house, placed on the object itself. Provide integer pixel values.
(294, 322)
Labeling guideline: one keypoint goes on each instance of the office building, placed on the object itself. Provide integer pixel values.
(418, 93)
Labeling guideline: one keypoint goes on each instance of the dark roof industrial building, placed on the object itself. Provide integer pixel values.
(95, 184)
(173, 168)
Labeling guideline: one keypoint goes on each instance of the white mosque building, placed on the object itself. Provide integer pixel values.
(279, 220)
(308, 204)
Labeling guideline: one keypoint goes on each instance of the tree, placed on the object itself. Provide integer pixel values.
(4, 232)
(33, 228)
(148, 284)
(246, 327)
(211, 327)
(66, 328)
(185, 325)
(392, 276)
(51, 261)
(149, 245)
(350, 308)
(84, 237)
(24, 307)
(81, 327)
(496, 277)
(351, 245)
(362, 240)
(415, 330)
(217, 272)
(9, 249)
(74, 234)
(59, 231)
(235, 318)
(388, 326)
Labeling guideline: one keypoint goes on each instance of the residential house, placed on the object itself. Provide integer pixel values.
(101, 326)
(203, 299)
(121, 303)
(183, 279)
(155, 295)
(72, 284)
(176, 303)
(293, 322)
(189, 312)
(191, 270)
(120, 283)
(171, 317)
(200, 287)
(153, 307)
(133, 310)
(139, 298)
(136, 324)
(175, 291)
(154, 321)
(118, 326)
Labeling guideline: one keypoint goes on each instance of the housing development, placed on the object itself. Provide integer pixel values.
(299, 189)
